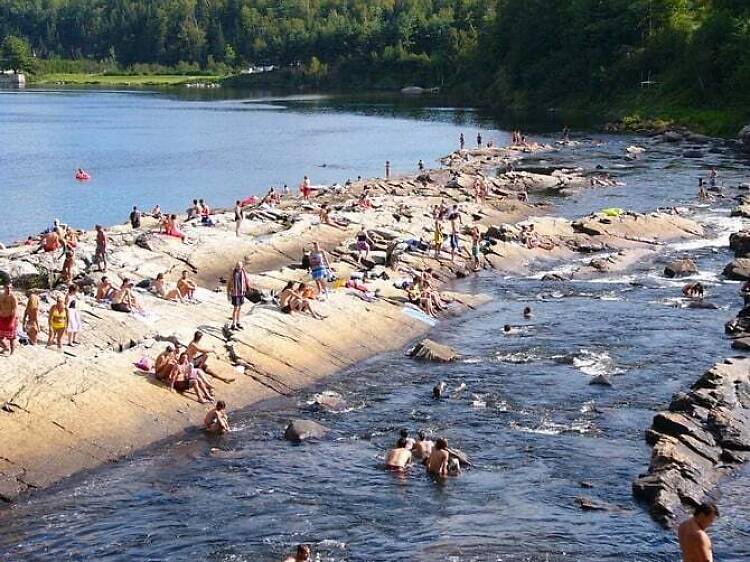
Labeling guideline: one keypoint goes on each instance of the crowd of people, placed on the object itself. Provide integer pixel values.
(436, 456)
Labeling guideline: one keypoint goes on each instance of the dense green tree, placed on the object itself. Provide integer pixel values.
(15, 55)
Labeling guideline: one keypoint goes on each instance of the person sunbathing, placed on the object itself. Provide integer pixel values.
(199, 358)
(186, 287)
(293, 300)
(159, 288)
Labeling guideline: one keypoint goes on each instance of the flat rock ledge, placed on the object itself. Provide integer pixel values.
(704, 435)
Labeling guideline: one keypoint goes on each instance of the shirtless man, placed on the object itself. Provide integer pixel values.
(186, 286)
(104, 290)
(399, 457)
(437, 463)
(303, 555)
(216, 419)
(198, 356)
(31, 317)
(100, 256)
(694, 541)
(8, 322)
(422, 447)
(454, 216)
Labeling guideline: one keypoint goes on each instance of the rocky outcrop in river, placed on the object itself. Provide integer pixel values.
(702, 436)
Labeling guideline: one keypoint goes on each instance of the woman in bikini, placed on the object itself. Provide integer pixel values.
(364, 243)
(184, 377)
(58, 321)
(31, 317)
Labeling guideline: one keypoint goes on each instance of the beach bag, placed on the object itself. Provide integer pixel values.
(254, 296)
(144, 364)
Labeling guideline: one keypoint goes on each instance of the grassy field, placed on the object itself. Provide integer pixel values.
(120, 79)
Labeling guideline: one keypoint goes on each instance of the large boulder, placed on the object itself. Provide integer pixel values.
(738, 270)
(740, 243)
(703, 436)
(680, 268)
(741, 211)
(303, 430)
(693, 153)
(429, 350)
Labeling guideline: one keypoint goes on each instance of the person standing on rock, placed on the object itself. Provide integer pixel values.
(238, 218)
(135, 218)
(58, 321)
(31, 317)
(455, 219)
(100, 256)
(305, 188)
(461, 141)
(387, 169)
(8, 322)
(74, 315)
(476, 239)
(364, 243)
(319, 267)
(420, 165)
(479, 140)
(439, 237)
(237, 287)
(694, 541)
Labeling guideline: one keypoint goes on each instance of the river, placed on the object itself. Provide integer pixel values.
(532, 424)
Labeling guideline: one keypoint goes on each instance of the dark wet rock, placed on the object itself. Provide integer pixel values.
(739, 242)
(601, 380)
(503, 232)
(680, 268)
(585, 484)
(738, 270)
(700, 303)
(556, 277)
(587, 247)
(589, 504)
(671, 136)
(744, 136)
(429, 350)
(693, 153)
(462, 457)
(703, 435)
(742, 344)
(304, 430)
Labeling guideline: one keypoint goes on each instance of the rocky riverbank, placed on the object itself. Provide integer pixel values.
(67, 411)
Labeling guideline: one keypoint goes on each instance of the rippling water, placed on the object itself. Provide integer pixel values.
(532, 424)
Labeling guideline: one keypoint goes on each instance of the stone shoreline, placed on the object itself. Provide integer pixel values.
(65, 412)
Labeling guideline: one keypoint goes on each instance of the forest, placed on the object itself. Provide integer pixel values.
(504, 53)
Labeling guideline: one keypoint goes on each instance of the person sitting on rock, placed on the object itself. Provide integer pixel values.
(104, 290)
(437, 463)
(303, 555)
(216, 420)
(164, 363)
(693, 290)
(185, 377)
(159, 288)
(399, 457)
(123, 299)
(198, 356)
(186, 286)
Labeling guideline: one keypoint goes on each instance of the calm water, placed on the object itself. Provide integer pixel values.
(143, 149)
(529, 419)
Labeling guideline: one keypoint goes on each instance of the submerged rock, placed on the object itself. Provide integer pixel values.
(330, 400)
(601, 380)
(304, 430)
(740, 243)
(429, 350)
